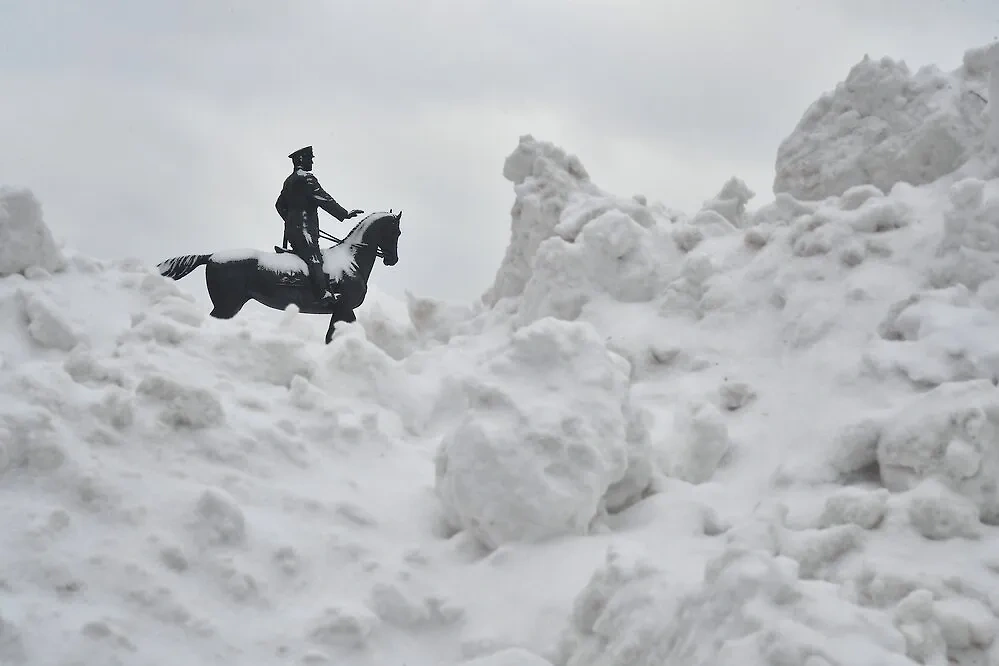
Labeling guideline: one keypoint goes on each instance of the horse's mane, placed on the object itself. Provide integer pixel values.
(366, 220)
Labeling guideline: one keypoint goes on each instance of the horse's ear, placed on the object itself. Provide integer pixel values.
(398, 216)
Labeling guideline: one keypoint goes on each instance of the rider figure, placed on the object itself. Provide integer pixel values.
(298, 204)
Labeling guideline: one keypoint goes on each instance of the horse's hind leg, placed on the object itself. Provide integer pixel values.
(228, 296)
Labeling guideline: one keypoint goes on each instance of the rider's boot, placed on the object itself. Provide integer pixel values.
(319, 280)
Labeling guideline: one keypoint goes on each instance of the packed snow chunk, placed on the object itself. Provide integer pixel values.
(265, 358)
(924, 639)
(182, 406)
(731, 202)
(968, 251)
(701, 442)
(684, 293)
(613, 256)
(991, 56)
(781, 211)
(735, 395)
(543, 439)
(12, 649)
(855, 197)
(750, 610)
(951, 434)
(615, 619)
(855, 506)
(637, 482)
(47, 326)
(507, 657)
(965, 623)
(30, 441)
(540, 159)
(545, 178)
(218, 519)
(357, 368)
(937, 337)
(433, 319)
(404, 608)
(344, 626)
(25, 240)
(938, 513)
(881, 126)
(86, 368)
(817, 551)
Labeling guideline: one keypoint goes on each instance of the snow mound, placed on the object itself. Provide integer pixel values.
(884, 125)
(25, 240)
(548, 441)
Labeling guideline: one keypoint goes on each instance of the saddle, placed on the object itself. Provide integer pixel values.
(295, 279)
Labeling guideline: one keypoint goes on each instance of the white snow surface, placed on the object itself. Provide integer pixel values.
(730, 437)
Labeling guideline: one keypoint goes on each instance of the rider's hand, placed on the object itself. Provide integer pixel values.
(354, 213)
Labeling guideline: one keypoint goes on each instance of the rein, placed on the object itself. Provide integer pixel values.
(323, 234)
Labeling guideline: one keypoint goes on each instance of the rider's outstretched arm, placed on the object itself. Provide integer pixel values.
(325, 201)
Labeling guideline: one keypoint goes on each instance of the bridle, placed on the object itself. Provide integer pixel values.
(338, 241)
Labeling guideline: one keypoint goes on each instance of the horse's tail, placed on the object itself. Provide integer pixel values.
(178, 267)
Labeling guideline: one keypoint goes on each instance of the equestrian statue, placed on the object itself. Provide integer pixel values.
(331, 281)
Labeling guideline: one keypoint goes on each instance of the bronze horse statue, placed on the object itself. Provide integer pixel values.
(279, 279)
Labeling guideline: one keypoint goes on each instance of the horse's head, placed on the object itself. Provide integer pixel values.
(386, 232)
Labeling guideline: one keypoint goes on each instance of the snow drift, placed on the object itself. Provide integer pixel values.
(728, 437)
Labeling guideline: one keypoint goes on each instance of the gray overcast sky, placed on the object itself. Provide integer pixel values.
(157, 128)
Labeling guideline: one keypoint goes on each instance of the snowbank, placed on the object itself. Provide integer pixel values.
(732, 437)
(885, 125)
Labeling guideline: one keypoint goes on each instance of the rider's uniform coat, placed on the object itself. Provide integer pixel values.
(298, 205)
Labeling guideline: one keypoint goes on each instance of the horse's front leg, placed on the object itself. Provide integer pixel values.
(329, 331)
(344, 314)
(350, 298)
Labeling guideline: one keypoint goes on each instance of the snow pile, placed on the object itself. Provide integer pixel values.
(730, 437)
(885, 125)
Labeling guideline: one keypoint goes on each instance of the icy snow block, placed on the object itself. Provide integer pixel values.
(881, 126)
(950, 434)
(25, 240)
(544, 440)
